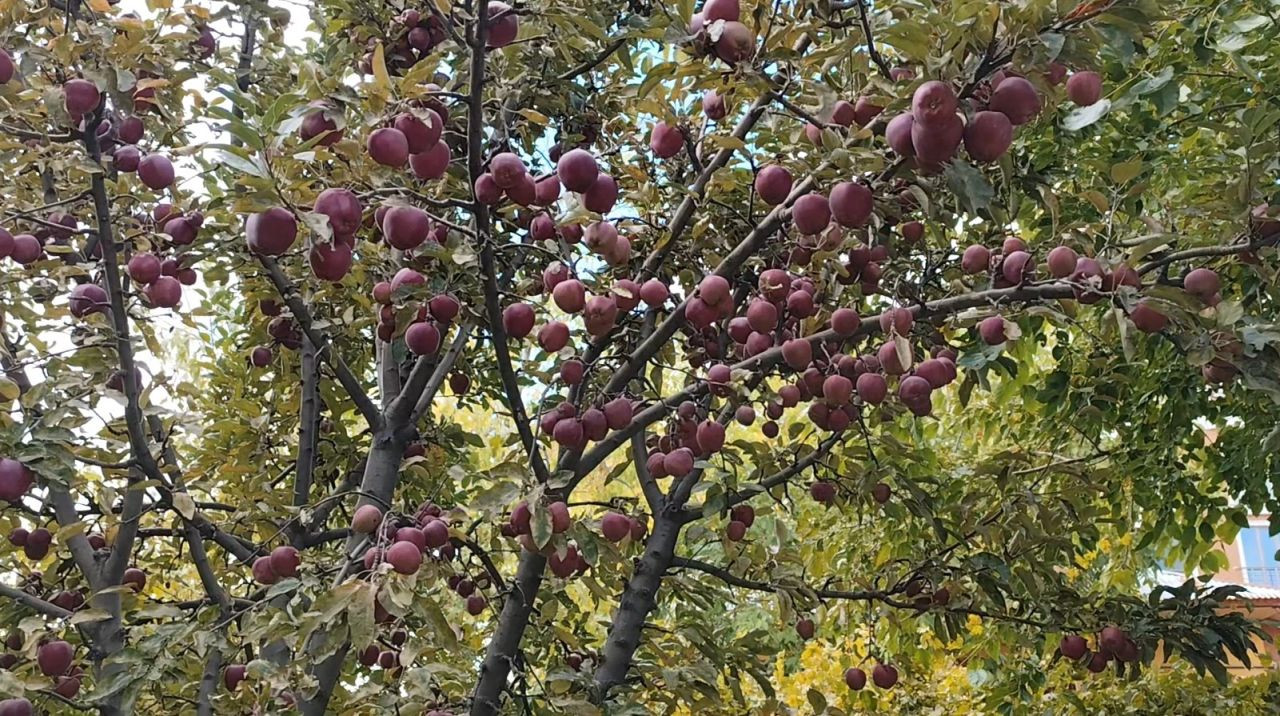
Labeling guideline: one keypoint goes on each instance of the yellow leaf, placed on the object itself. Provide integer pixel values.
(100, 5)
(8, 389)
(1124, 171)
(535, 117)
(1098, 200)
(381, 81)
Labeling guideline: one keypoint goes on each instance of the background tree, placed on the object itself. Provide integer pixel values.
(573, 356)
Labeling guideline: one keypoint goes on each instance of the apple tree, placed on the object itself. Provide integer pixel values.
(566, 356)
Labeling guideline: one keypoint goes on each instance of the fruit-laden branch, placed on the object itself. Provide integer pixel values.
(324, 348)
(778, 478)
(885, 597)
(684, 213)
(209, 580)
(870, 326)
(447, 361)
(64, 510)
(728, 268)
(33, 602)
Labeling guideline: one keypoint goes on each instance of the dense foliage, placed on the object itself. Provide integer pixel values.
(569, 356)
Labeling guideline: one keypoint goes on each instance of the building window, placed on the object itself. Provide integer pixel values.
(1258, 553)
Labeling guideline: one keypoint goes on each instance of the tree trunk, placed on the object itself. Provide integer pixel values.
(638, 600)
(506, 638)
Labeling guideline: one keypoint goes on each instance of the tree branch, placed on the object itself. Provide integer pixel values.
(324, 348)
(33, 602)
(308, 422)
(876, 57)
(639, 457)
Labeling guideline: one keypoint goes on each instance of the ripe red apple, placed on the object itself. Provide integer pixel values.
(864, 110)
(504, 25)
(330, 262)
(710, 436)
(992, 331)
(1017, 267)
(406, 227)
(1073, 647)
(431, 163)
(678, 462)
(872, 388)
(404, 557)
(560, 518)
(507, 169)
(421, 132)
(851, 204)
(1201, 282)
(87, 298)
(166, 292)
(601, 195)
(1062, 261)
(27, 249)
(736, 531)
(15, 479)
(736, 43)
(773, 184)
(843, 113)
(7, 68)
(1111, 640)
(988, 136)
(144, 268)
(823, 492)
(899, 135)
(577, 170)
(553, 336)
(156, 171)
(845, 322)
(1147, 319)
(811, 213)
(343, 209)
(285, 561)
(797, 353)
(713, 10)
(319, 122)
(1084, 88)
(665, 141)
(884, 676)
(134, 578)
(54, 657)
(367, 519)
(436, 533)
(80, 97)
(805, 628)
(615, 527)
(1017, 99)
(713, 105)
(131, 130)
(936, 142)
(262, 572)
(934, 102)
(855, 678)
(233, 675)
(271, 232)
(422, 338)
(388, 146)
(126, 158)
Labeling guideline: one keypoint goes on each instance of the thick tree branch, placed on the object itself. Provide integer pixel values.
(652, 491)
(33, 602)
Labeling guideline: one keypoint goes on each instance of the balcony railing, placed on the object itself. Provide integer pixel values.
(1262, 576)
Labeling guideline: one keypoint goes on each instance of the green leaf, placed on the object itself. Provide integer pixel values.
(1082, 117)
(969, 185)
